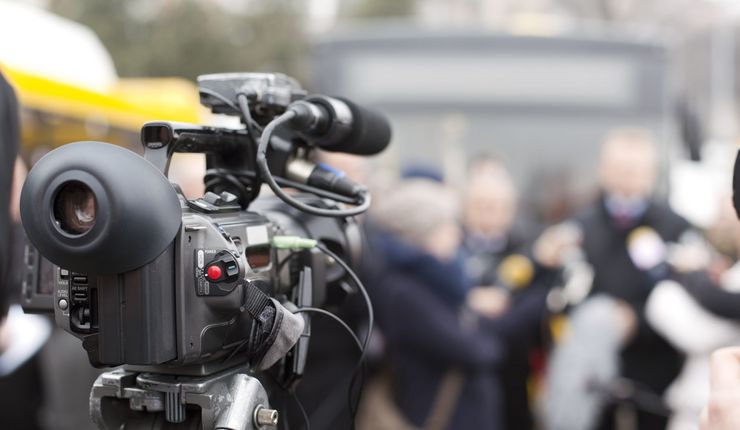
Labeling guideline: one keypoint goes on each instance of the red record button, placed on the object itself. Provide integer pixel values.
(214, 272)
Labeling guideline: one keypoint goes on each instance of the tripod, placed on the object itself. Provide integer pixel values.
(228, 400)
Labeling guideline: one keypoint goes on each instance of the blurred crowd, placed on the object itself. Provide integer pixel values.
(604, 321)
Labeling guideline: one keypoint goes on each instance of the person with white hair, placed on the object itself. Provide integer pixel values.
(442, 357)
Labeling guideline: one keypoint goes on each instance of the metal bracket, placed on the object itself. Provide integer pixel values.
(229, 400)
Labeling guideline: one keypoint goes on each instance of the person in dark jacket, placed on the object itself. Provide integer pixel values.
(420, 300)
(45, 377)
(20, 379)
(9, 141)
(496, 259)
(625, 207)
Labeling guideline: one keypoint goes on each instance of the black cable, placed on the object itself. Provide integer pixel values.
(291, 392)
(285, 261)
(354, 405)
(252, 126)
(306, 422)
(324, 312)
(370, 321)
(360, 347)
(364, 198)
(234, 351)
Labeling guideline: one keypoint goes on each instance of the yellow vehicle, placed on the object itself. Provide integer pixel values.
(55, 113)
(68, 88)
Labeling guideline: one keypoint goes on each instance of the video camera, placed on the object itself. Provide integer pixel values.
(194, 297)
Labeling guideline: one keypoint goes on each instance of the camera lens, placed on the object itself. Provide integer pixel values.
(74, 208)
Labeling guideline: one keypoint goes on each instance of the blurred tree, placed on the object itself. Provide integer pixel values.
(383, 8)
(187, 37)
(667, 13)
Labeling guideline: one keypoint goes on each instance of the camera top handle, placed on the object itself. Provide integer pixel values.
(229, 152)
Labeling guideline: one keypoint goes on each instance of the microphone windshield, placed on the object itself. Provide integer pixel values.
(371, 131)
(516, 271)
(339, 125)
(646, 248)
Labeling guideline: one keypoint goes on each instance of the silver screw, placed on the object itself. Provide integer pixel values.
(266, 417)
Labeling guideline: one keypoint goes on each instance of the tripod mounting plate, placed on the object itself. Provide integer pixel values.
(229, 400)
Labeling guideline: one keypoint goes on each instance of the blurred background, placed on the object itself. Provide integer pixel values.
(531, 87)
(534, 82)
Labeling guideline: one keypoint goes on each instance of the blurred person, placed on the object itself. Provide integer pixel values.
(698, 311)
(722, 411)
(422, 171)
(488, 217)
(9, 143)
(45, 376)
(696, 331)
(722, 234)
(21, 336)
(627, 175)
(187, 170)
(496, 260)
(442, 357)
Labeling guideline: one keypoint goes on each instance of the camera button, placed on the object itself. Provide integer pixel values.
(214, 272)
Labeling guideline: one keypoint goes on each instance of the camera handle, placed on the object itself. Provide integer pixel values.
(161, 139)
(229, 400)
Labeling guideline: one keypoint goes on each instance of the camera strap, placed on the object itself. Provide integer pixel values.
(258, 304)
(277, 329)
(261, 309)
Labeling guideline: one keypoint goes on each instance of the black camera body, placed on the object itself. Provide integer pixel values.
(186, 307)
(159, 283)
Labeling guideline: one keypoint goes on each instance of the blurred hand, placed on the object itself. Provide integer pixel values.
(718, 266)
(554, 243)
(627, 321)
(4, 335)
(689, 258)
(489, 302)
(723, 410)
(19, 176)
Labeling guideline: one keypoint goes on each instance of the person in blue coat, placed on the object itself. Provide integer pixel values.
(442, 354)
